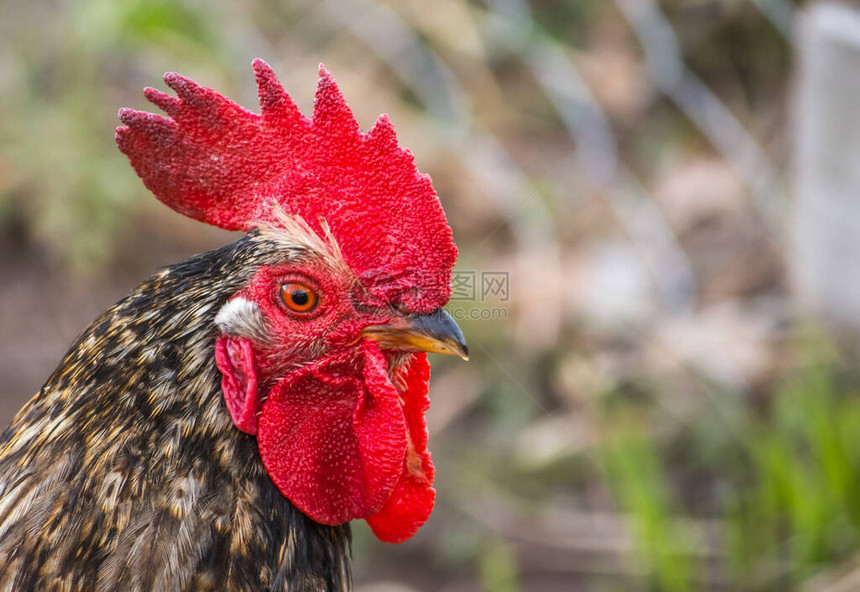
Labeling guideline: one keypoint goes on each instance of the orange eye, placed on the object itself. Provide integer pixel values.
(298, 297)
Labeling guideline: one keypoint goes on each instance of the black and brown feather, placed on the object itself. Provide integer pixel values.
(125, 472)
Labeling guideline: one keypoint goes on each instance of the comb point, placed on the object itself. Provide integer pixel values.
(121, 134)
(138, 119)
(171, 78)
(274, 100)
(383, 133)
(331, 109)
(162, 100)
(129, 116)
(185, 88)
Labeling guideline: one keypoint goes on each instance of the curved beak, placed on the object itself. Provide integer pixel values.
(435, 332)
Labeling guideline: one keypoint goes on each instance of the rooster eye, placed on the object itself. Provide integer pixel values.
(298, 297)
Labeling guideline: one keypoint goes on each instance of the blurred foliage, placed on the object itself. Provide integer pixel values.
(786, 490)
(640, 485)
(498, 567)
(68, 67)
(800, 505)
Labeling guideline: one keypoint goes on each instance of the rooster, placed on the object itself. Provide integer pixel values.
(219, 428)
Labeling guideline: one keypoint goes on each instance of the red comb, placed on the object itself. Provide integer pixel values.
(217, 162)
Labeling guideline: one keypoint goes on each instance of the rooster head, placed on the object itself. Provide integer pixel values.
(322, 353)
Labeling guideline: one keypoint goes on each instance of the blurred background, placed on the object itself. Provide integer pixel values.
(657, 206)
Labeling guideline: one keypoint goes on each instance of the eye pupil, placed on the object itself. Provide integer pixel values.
(300, 297)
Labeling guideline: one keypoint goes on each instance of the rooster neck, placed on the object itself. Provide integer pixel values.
(128, 468)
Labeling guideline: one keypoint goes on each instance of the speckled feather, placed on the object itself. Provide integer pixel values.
(125, 471)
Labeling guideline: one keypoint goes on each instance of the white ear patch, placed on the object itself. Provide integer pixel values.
(241, 317)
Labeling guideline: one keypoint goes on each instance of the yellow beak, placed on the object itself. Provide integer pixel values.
(436, 332)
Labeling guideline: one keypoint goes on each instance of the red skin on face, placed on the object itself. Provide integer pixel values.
(336, 436)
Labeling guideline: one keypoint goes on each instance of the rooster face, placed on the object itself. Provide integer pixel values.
(322, 350)
(328, 377)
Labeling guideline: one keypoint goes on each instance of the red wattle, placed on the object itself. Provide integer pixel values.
(338, 439)
(413, 498)
(332, 437)
(235, 358)
(408, 508)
